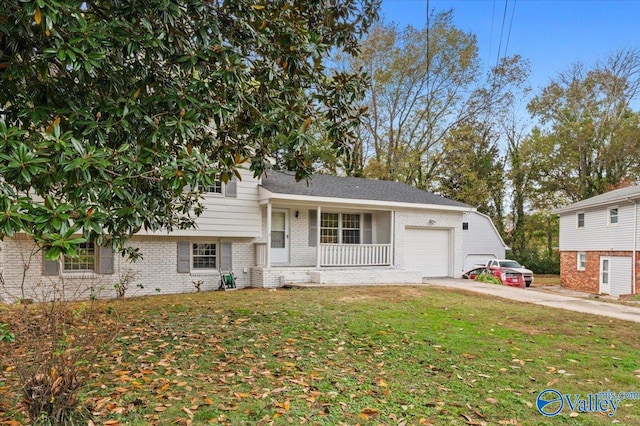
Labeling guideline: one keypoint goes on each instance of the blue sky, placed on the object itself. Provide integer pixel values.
(551, 34)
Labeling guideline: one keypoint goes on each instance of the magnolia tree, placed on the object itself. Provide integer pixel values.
(110, 109)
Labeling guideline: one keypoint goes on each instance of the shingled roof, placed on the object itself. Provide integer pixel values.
(611, 197)
(353, 188)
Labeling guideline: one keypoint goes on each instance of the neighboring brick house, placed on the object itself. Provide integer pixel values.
(269, 232)
(598, 242)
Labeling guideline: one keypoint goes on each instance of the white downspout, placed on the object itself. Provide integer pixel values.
(635, 242)
(635, 246)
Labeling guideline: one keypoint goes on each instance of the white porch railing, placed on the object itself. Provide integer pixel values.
(355, 254)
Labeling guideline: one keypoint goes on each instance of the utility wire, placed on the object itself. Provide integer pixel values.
(504, 18)
(493, 17)
(513, 12)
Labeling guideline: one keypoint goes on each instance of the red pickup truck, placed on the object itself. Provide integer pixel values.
(506, 276)
(511, 265)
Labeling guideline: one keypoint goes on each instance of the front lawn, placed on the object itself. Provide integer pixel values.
(367, 355)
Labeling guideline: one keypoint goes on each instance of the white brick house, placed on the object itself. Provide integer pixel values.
(269, 232)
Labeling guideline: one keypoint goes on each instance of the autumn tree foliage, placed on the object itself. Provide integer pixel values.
(424, 83)
(109, 109)
(589, 138)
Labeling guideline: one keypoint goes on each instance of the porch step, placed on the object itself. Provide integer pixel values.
(366, 276)
(294, 277)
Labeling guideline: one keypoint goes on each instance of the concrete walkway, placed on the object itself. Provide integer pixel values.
(543, 297)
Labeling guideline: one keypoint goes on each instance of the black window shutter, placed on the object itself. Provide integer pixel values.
(368, 229)
(184, 256)
(231, 188)
(105, 260)
(226, 256)
(49, 267)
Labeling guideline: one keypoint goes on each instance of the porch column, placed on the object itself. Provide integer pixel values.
(268, 257)
(392, 226)
(318, 249)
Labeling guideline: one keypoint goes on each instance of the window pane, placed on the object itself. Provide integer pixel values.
(350, 228)
(277, 239)
(84, 261)
(204, 256)
(351, 221)
(613, 215)
(350, 236)
(329, 236)
(329, 228)
(329, 220)
(580, 220)
(215, 187)
(278, 221)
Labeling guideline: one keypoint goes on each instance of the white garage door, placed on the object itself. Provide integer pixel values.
(427, 250)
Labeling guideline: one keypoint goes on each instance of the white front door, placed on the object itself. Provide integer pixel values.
(279, 236)
(605, 282)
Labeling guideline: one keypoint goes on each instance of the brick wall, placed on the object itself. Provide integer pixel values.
(589, 279)
(155, 273)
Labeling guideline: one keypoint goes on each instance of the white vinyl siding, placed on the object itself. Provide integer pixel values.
(597, 235)
(480, 241)
(227, 216)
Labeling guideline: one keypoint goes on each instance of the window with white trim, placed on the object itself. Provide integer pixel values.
(215, 187)
(613, 216)
(340, 228)
(203, 256)
(580, 220)
(329, 228)
(350, 228)
(582, 261)
(84, 261)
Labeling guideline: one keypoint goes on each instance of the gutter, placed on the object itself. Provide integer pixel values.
(635, 246)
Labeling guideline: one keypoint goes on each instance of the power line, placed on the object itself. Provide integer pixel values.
(493, 16)
(513, 12)
(504, 18)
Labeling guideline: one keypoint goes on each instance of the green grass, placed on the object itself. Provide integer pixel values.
(546, 280)
(367, 355)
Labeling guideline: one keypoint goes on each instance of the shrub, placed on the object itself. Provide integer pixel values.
(488, 278)
(58, 345)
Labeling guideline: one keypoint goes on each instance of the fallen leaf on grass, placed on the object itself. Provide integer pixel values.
(491, 400)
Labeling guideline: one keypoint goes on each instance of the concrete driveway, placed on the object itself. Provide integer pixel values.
(541, 297)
